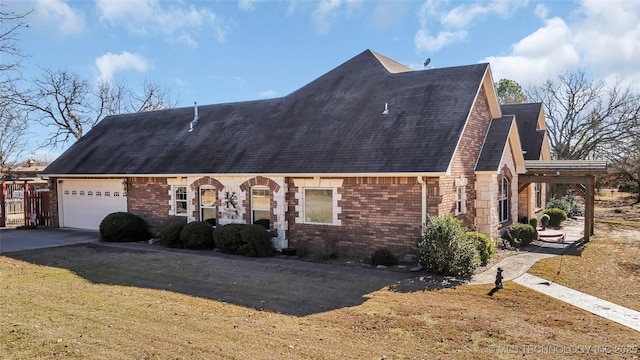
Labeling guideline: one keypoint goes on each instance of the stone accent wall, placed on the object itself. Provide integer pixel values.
(149, 197)
(487, 218)
(464, 161)
(376, 212)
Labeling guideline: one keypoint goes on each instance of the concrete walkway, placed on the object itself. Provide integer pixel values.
(592, 304)
(554, 243)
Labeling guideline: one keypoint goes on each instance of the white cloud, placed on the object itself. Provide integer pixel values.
(453, 24)
(323, 14)
(601, 37)
(542, 11)
(246, 5)
(268, 94)
(109, 64)
(57, 14)
(150, 17)
(329, 11)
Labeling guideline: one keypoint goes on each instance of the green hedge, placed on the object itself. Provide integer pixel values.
(520, 235)
(484, 245)
(170, 235)
(383, 257)
(445, 247)
(556, 216)
(124, 227)
(197, 235)
(244, 239)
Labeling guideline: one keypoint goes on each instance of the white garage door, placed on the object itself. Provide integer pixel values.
(85, 203)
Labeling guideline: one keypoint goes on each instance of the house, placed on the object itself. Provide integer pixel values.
(354, 161)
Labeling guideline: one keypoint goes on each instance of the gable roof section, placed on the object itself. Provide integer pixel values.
(333, 125)
(501, 132)
(531, 127)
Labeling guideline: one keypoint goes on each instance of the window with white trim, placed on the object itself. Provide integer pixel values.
(318, 206)
(503, 200)
(208, 197)
(180, 200)
(260, 203)
(538, 192)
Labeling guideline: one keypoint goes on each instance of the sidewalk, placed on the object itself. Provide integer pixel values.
(555, 243)
(608, 310)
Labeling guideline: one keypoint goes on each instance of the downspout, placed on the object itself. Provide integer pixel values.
(424, 198)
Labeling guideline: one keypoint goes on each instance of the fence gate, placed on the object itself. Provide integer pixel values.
(22, 207)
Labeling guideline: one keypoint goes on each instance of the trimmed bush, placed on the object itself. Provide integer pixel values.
(445, 247)
(484, 245)
(556, 216)
(534, 223)
(244, 239)
(569, 203)
(520, 235)
(197, 235)
(124, 227)
(383, 257)
(170, 235)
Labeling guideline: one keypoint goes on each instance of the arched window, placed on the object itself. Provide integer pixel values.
(503, 199)
(208, 197)
(261, 205)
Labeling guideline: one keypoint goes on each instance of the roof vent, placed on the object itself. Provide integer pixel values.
(386, 109)
(195, 117)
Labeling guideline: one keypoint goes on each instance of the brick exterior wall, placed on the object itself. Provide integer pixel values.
(376, 213)
(464, 162)
(149, 198)
(53, 202)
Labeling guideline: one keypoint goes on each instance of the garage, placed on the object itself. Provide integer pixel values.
(85, 202)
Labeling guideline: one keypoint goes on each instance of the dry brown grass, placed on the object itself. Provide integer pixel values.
(607, 267)
(98, 302)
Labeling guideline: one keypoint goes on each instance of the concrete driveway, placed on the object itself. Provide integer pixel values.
(18, 240)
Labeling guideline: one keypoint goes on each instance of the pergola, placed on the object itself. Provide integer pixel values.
(580, 174)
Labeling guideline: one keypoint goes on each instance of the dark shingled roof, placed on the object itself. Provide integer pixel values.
(494, 144)
(527, 122)
(332, 125)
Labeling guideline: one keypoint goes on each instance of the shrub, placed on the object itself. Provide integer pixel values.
(519, 235)
(534, 223)
(170, 235)
(244, 239)
(484, 245)
(124, 227)
(383, 257)
(556, 216)
(197, 235)
(569, 203)
(628, 187)
(445, 247)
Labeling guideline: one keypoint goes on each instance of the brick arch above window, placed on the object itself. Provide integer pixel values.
(506, 173)
(206, 181)
(260, 180)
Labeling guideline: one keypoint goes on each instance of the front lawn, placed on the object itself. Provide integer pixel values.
(99, 302)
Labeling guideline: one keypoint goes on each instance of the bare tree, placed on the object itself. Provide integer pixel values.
(12, 123)
(71, 106)
(585, 117)
(624, 161)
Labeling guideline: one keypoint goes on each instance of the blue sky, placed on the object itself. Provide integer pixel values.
(226, 51)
